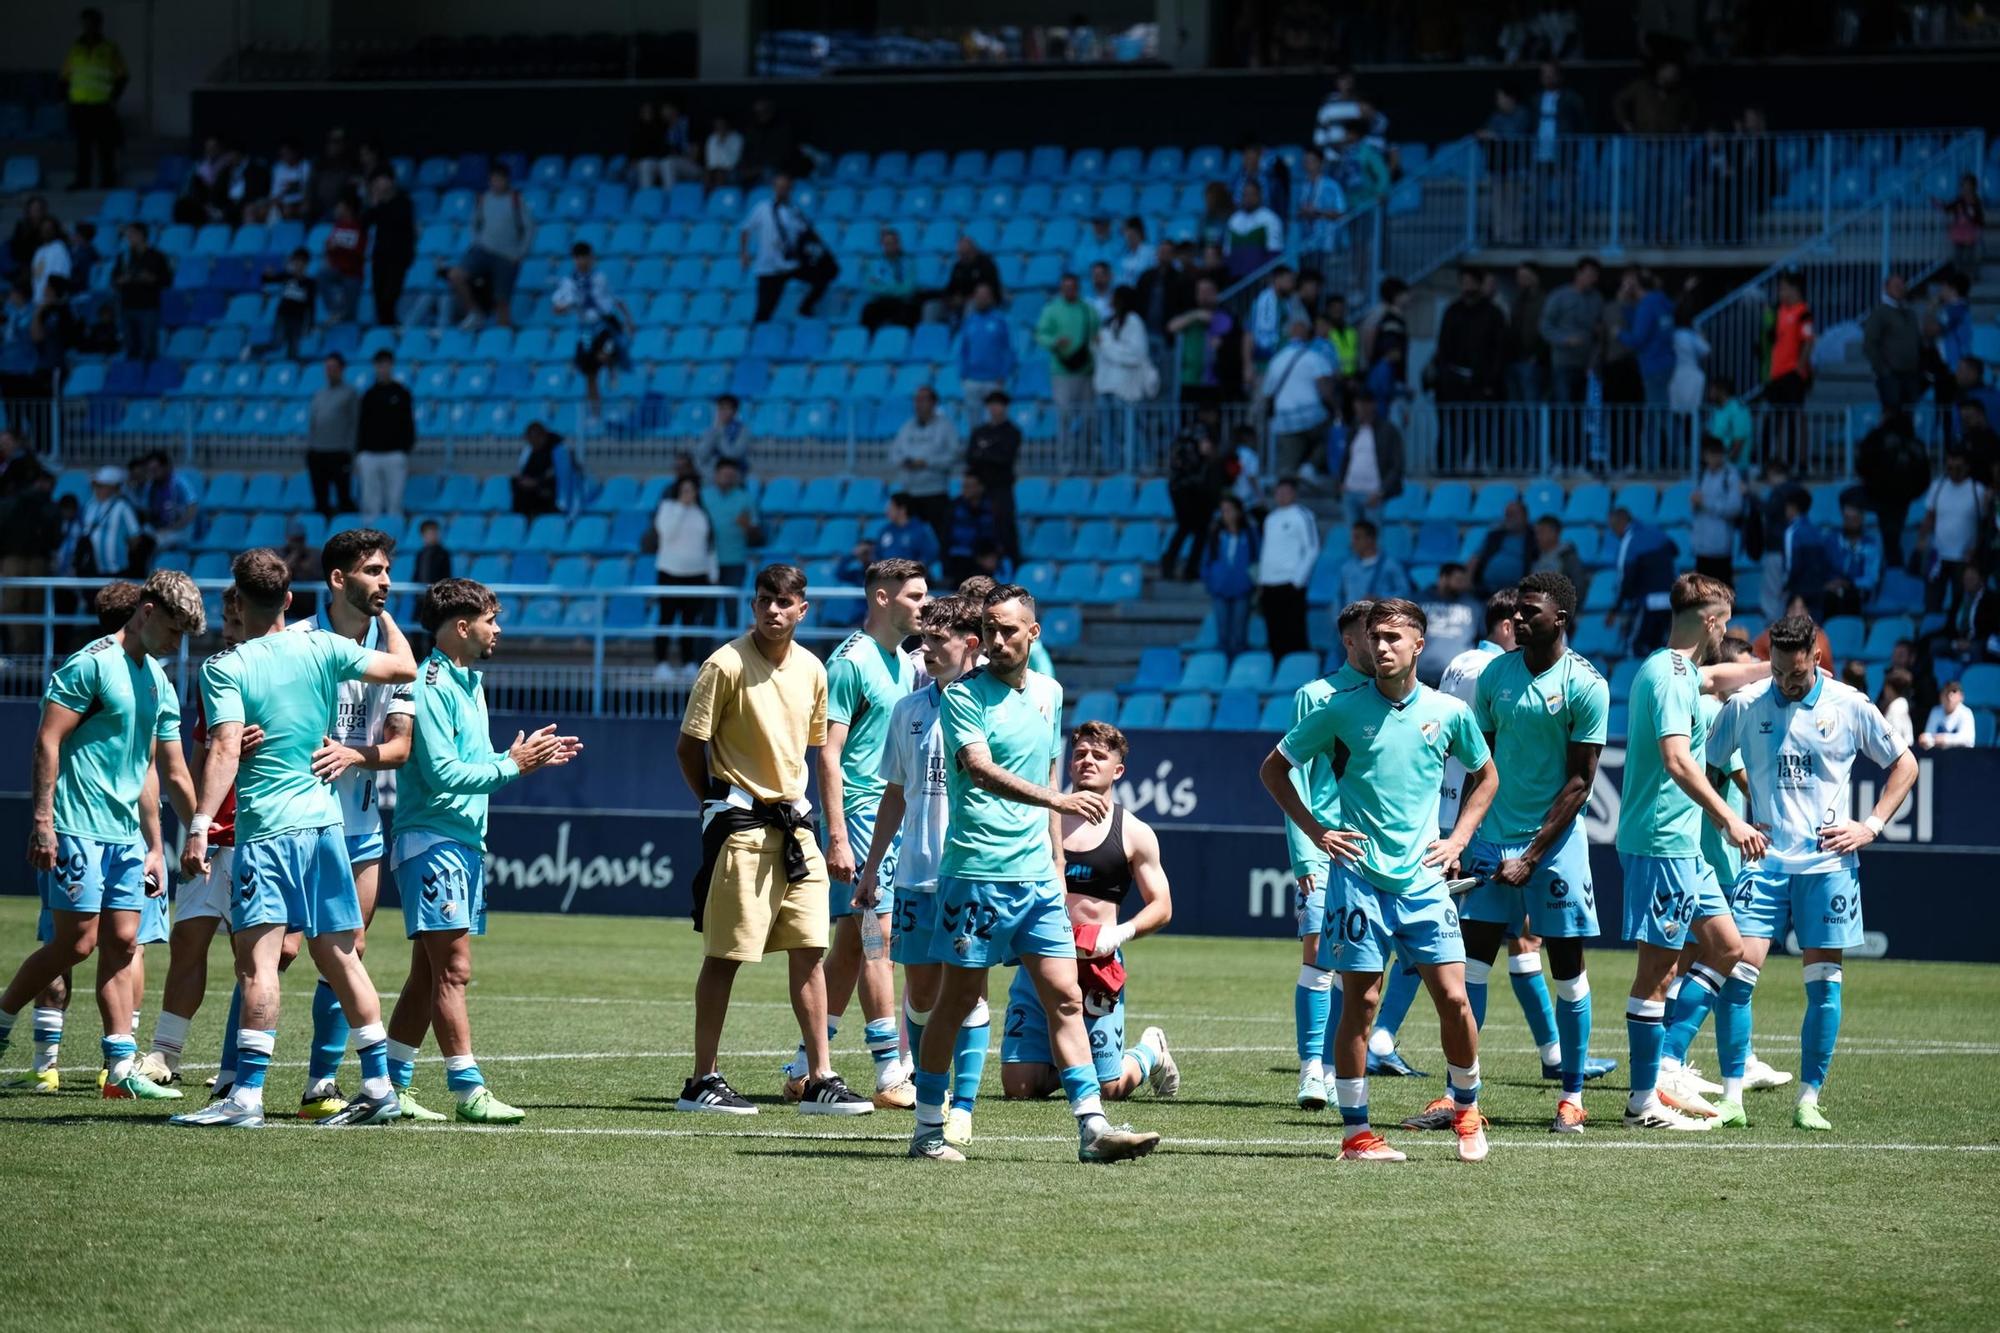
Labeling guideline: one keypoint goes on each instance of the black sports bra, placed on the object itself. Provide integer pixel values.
(1102, 872)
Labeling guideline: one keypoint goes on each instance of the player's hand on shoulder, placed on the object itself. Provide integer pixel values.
(1089, 806)
(253, 736)
(332, 759)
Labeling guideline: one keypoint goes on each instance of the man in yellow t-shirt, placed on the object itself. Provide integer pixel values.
(94, 78)
(758, 704)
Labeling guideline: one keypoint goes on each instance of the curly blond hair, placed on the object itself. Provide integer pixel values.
(175, 594)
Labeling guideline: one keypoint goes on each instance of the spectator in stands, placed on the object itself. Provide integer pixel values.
(1971, 386)
(1957, 510)
(1965, 226)
(683, 557)
(906, 536)
(721, 152)
(298, 299)
(1165, 291)
(1569, 324)
(27, 234)
(1214, 349)
(1527, 349)
(889, 280)
(1555, 553)
(1197, 478)
(1649, 333)
(1469, 364)
(991, 453)
(1977, 437)
(110, 527)
(1894, 468)
(101, 336)
(1658, 104)
(1822, 646)
(1893, 341)
(972, 269)
(1643, 564)
(51, 259)
(1781, 493)
(93, 78)
(1385, 344)
(1301, 391)
(83, 254)
(1808, 565)
(332, 176)
(1230, 555)
(1688, 387)
(1559, 110)
(391, 222)
(1320, 204)
(433, 562)
(1272, 313)
(1271, 176)
(168, 507)
(1256, 234)
(1216, 207)
(1857, 564)
(1360, 167)
(1125, 374)
(545, 476)
(302, 560)
(139, 276)
(1718, 502)
(1729, 421)
(1098, 246)
(333, 422)
(985, 348)
(53, 329)
(603, 321)
(1948, 329)
(1097, 290)
(503, 231)
(647, 155)
(1950, 725)
(971, 529)
(1791, 370)
(31, 531)
(291, 178)
(1214, 266)
(1456, 618)
(770, 146)
(1065, 330)
(1972, 632)
(1371, 469)
(346, 264)
(1505, 553)
(778, 246)
(726, 436)
(1369, 572)
(384, 436)
(1289, 550)
(733, 518)
(925, 453)
(1342, 339)
(19, 467)
(1133, 256)
(1894, 701)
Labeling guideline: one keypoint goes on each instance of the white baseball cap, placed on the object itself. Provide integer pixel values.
(108, 475)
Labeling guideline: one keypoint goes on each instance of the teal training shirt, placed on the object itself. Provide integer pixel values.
(289, 685)
(1390, 759)
(453, 765)
(1655, 817)
(126, 706)
(1314, 780)
(990, 837)
(1533, 721)
(1722, 855)
(864, 683)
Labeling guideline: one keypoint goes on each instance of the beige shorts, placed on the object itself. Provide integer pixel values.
(752, 910)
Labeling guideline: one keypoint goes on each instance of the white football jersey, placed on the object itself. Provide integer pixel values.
(913, 758)
(1461, 681)
(1798, 757)
(360, 712)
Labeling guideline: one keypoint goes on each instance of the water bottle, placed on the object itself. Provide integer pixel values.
(873, 945)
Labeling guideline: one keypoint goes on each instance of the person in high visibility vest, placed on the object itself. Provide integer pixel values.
(94, 78)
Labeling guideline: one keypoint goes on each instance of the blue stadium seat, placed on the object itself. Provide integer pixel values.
(1062, 627)
(1492, 500)
(1437, 541)
(1096, 706)
(1189, 712)
(1033, 498)
(1145, 711)
(1883, 633)
(1159, 669)
(1294, 670)
(1846, 636)
(1250, 671)
(1206, 670)
(1237, 710)
(1277, 714)
(1038, 577)
(1589, 503)
(1640, 498)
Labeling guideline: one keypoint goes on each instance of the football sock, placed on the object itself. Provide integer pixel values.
(137, 1026)
(119, 1053)
(1573, 1031)
(913, 1024)
(1644, 1030)
(48, 1032)
(1476, 973)
(1821, 1026)
(371, 1047)
(1732, 1028)
(968, 1056)
(1464, 1082)
(225, 1075)
(800, 1067)
(930, 1098)
(402, 1064)
(329, 1035)
(253, 1057)
(1143, 1057)
(1524, 973)
(1399, 990)
(1697, 996)
(1309, 1008)
(1674, 987)
(169, 1037)
(1081, 1089)
(462, 1076)
(1333, 1008)
(881, 1038)
(1352, 1095)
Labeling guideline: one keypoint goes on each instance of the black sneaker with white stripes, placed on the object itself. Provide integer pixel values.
(830, 1096)
(713, 1094)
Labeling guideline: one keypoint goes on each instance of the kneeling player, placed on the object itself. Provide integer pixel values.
(1799, 735)
(440, 856)
(1100, 865)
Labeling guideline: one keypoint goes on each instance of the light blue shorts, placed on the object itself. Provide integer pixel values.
(1026, 1037)
(443, 889)
(1666, 895)
(1309, 909)
(364, 847)
(45, 926)
(153, 924)
(985, 923)
(1364, 922)
(860, 833)
(1557, 899)
(1824, 909)
(299, 880)
(914, 925)
(92, 876)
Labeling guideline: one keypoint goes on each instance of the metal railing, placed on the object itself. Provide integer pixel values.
(1613, 192)
(1842, 267)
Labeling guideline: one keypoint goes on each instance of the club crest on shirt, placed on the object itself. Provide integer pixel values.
(1823, 723)
(1552, 701)
(1429, 731)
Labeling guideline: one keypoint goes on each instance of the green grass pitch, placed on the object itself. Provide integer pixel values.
(606, 1209)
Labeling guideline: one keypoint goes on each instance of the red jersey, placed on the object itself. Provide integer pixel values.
(347, 249)
(221, 833)
(1795, 329)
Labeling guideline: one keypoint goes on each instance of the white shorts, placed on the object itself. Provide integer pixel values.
(208, 897)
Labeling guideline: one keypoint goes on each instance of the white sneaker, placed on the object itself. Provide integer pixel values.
(1656, 1116)
(1758, 1075)
(1312, 1092)
(958, 1126)
(1165, 1080)
(1682, 1093)
(1690, 1077)
(225, 1114)
(154, 1066)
